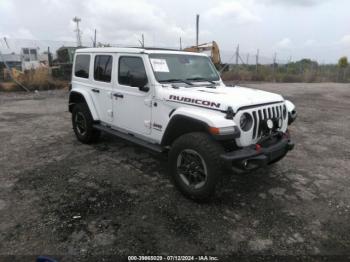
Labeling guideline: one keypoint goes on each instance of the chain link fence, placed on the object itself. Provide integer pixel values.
(260, 67)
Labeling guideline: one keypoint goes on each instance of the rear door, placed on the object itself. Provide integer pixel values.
(102, 83)
(131, 106)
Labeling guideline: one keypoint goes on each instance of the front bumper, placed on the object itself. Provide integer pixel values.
(265, 152)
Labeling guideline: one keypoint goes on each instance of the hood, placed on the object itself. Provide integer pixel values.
(221, 98)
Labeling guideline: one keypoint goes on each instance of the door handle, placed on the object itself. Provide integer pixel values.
(119, 95)
(95, 90)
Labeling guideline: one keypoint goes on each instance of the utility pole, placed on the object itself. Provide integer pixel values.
(49, 57)
(180, 44)
(288, 63)
(247, 62)
(237, 55)
(7, 44)
(77, 20)
(274, 64)
(257, 61)
(142, 41)
(197, 30)
(95, 38)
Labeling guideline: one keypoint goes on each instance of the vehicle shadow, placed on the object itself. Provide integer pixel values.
(235, 185)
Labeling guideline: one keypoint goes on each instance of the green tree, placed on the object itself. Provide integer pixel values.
(343, 64)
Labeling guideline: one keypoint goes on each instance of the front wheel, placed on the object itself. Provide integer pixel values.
(195, 165)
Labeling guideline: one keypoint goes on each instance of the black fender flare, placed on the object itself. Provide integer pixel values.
(180, 125)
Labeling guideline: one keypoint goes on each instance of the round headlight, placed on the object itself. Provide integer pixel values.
(246, 121)
(284, 112)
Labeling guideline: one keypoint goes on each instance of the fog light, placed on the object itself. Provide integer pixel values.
(269, 123)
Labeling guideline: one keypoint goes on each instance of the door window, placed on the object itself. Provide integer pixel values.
(103, 68)
(127, 66)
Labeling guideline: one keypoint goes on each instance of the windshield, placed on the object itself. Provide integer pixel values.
(182, 67)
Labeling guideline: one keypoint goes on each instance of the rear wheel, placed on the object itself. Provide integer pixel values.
(83, 124)
(195, 165)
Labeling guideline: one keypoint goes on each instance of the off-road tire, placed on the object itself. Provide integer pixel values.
(210, 151)
(91, 135)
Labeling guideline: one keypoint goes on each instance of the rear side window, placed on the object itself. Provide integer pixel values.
(82, 65)
(103, 68)
(128, 64)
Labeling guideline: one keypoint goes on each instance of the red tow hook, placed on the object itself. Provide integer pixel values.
(257, 147)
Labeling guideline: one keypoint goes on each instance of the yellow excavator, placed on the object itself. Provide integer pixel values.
(211, 47)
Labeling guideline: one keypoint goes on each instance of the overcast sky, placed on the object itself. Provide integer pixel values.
(318, 29)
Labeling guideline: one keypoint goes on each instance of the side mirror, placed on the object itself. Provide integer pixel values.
(139, 79)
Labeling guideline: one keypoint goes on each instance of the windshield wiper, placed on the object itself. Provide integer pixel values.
(176, 80)
(200, 79)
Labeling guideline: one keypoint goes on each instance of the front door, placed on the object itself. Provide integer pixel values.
(131, 106)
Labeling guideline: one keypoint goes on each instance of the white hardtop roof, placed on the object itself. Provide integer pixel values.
(135, 51)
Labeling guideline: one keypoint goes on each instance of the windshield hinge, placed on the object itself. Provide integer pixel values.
(229, 113)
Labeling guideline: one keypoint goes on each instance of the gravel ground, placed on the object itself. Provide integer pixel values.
(60, 197)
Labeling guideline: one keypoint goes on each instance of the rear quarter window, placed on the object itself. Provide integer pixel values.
(82, 66)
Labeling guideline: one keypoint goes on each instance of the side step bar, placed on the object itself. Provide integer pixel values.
(129, 137)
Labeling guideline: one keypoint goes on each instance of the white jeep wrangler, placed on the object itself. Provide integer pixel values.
(175, 102)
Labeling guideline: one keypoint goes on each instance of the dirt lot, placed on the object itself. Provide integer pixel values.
(60, 197)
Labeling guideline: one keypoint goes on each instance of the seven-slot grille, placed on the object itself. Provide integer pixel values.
(263, 113)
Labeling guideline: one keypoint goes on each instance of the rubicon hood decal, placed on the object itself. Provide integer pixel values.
(194, 101)
(220, 98)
